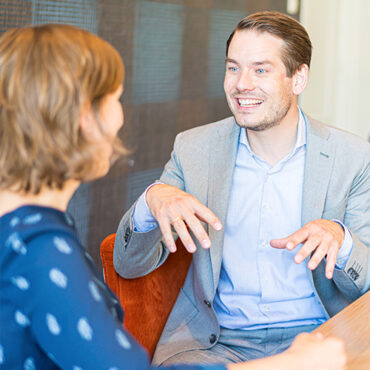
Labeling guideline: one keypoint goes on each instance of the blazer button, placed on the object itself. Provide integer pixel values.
(207, 303)
(212, 338)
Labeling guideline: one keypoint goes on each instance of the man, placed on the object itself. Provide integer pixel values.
(283, 199)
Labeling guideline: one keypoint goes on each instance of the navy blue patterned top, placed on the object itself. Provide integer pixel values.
(55, 310)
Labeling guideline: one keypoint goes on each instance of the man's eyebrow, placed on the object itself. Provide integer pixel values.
(229, 60)
(262, 62)
(255, 64)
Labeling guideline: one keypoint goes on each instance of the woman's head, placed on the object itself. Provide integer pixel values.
(54, 82)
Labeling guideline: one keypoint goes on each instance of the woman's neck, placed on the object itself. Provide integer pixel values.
(55, 198)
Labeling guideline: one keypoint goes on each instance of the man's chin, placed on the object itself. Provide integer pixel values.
(255, 125)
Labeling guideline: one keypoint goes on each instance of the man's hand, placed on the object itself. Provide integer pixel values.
(171, 206)
(323, 237)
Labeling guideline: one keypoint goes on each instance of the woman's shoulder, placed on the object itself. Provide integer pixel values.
(31, 220)
(33, 239)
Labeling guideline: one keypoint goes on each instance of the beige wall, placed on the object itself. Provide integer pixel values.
(338, 90)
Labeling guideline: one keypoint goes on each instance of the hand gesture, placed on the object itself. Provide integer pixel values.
(322, 237)
(172, 206)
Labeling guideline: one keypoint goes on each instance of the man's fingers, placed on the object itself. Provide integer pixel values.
(291, 241)
(172, 206)
(300, 236)
(307, 248)
(279, 243)
(198, 230)
(323, 237)
(167, 236)
(206, 215)
(184, 235)
(319, 255)
(331, 259)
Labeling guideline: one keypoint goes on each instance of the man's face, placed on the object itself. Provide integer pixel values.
(257, 89)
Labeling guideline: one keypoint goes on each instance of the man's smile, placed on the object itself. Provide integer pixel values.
(248, 102)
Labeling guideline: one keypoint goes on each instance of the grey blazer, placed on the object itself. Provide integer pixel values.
(336, 186)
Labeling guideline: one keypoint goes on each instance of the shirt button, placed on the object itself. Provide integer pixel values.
(207, 303)
(264, 244)
(212, 338)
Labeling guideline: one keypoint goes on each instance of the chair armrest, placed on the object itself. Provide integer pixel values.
(106, 254)
(147, 300)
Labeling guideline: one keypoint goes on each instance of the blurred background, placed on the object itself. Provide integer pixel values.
(174, 52)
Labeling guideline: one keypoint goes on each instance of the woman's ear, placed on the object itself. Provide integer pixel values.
(300, 79)
(86, 121)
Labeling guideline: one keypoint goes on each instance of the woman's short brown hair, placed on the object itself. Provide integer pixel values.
(48, 74)
(297, 49)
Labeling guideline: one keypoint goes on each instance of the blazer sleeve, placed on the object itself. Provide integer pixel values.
(139, 253)
(354, 279)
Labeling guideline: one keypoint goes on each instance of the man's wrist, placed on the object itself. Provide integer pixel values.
(142, 218)
(345, 248)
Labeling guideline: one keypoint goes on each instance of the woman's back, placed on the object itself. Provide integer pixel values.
(53, 303)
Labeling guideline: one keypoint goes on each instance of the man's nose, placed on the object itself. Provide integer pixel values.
(245, 82)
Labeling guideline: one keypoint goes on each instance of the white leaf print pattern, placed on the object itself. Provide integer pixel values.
(2, 356)
(122, 339)
(20, 282)
(94, 291)
(58, 278)
(52, 324)
(62, 245)
(29, 364)
(21, 319)
(84, 329)
(14, 221)
(15, 242)
(32, 219)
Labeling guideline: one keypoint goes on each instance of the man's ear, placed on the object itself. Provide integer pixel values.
(300, 79)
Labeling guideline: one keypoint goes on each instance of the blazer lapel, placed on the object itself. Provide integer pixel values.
(318, 165)
(221, 163)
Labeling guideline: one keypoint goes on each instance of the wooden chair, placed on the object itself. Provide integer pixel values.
(147, 300)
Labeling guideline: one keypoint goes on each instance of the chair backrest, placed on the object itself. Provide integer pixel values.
(147, 300)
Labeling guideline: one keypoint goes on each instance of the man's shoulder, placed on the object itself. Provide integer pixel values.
(342, 139)
(209, 131)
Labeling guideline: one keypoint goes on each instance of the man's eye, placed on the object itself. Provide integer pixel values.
(233, 69)
(261, 70)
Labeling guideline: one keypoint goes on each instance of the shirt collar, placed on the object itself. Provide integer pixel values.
(301, 134)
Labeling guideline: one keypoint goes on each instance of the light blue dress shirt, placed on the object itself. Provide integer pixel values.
(261, 286)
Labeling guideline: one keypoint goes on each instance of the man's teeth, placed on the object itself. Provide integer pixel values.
(249, 102)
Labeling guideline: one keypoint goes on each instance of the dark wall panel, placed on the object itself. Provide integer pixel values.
(174, 53)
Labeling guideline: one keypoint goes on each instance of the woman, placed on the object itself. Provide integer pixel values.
(59, 116)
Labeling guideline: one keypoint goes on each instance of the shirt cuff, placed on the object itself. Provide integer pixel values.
(142, 218)
(345, 249)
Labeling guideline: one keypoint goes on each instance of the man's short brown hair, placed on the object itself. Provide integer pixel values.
(297, 49)
(48, 74)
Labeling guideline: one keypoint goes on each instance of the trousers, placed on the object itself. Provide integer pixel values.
(242, 345)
